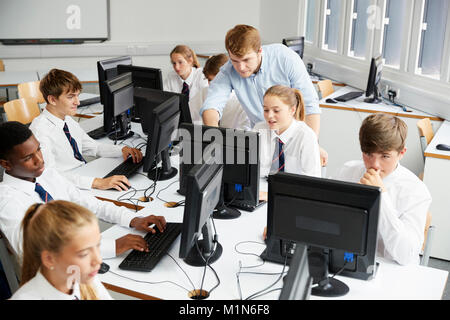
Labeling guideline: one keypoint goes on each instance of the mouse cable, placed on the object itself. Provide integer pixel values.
(179, 203)
(193, 286)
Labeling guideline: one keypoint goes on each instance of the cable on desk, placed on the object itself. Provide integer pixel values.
(193, 286)
(130, 199)
(179, 203)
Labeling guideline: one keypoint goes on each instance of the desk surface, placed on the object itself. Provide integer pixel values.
(441, 136)
(239, 236)
(358, 104)
(13, 78)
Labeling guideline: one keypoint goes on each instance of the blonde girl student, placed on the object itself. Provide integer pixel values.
(61, 254)
(288, 144)
(187, 77)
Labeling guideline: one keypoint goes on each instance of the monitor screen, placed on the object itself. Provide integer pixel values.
(295, 43)
(107, 69)
(337, 220)
(204, 183)
(373, 81)
(143, 77)
(163, 121)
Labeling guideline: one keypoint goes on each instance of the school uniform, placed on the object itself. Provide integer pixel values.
(403, 212)
(301, 149)
(195, 82)
(38, 288)
(58, 152)
(17, 195)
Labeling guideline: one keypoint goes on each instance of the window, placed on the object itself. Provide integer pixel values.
(310, 20)
(358, 29)
(332, 24)
(393, 32)
(432, 37)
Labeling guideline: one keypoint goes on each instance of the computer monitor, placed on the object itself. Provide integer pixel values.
(376, 66)
(241, 165)
(107, 70)
(297, 283)
(147, 98)
(199, 244)
(295, 43)
(119, 94)
(163, 121)
(337, 220)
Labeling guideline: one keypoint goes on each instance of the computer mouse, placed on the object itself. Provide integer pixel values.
(329, 100)
(442, 146)
(103, 268)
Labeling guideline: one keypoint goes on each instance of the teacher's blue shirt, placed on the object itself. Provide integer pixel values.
(280, 66)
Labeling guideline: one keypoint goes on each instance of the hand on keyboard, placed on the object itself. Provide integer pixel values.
(119, 183)
(131, 241)
(136, 154)
(144, 223)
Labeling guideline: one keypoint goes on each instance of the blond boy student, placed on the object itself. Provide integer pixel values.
(62, 139)
(405, 199)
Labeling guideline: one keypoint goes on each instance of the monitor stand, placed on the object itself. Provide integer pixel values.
(375, 98)
(318, 268)
(123, 131)
(166, 171)
(222, 212)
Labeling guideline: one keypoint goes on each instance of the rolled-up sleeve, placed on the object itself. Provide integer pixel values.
(218, 92)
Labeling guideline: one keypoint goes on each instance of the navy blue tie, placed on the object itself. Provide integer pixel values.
(185, 89)
(73, 143)
(278, 158)
(45, 196)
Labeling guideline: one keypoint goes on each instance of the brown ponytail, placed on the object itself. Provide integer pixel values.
(187, 53)
(291, 97)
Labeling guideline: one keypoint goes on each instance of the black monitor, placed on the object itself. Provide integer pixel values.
(373, 81)
(198, 244)
(119, 94)
(337, 220)
(107, 70)
(163, 121)
(146, 99)
(295, 43)
(297, 283)
(241, 165)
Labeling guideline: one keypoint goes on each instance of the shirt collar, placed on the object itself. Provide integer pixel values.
(54, 119)
(47, 290)
(19, 184)
(287, 134)
(190, 78)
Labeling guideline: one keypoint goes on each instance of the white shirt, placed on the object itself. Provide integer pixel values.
(403, 212)
(17, 195)
(57, 150)
(301, 149)
(196, 81)
(38, 288)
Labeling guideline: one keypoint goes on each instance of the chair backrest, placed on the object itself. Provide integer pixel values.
(425, 129)
(325, 87)
(30, 90)
(23, 110)
(2, 65)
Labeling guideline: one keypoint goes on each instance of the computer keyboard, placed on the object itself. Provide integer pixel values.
(244, 205)
(126, 168)
(158, 244)
(97, 133)
(349, 96)
(89, 101)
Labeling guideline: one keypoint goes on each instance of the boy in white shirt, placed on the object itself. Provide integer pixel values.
(26, 181)
(405, 199)
(62, 139)
(186, 77)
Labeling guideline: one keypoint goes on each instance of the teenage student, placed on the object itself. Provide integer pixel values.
(61, 255)
(233, 114)
(405, 199)
(27, 181)
(62, 139)
(288, 144)
(252, 70)
(186, 77)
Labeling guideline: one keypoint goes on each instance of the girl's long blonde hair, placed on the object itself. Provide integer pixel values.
(50, 227)
(187, 54)
(290, 97)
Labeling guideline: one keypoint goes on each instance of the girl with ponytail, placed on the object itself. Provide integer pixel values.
(61, 256)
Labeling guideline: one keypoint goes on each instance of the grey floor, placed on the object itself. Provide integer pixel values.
(443, 265)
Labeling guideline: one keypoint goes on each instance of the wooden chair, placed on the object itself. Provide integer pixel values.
(325, 88)
(428, 239)
(30, 90)
(426, 135)
(2, 65)
(22, 110)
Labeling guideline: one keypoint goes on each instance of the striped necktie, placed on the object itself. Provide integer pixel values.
(73, 143)
(45, 196)
(185, 89)
(278, 158)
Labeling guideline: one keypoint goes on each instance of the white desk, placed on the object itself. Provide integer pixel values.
(437, 179)
(392, 281)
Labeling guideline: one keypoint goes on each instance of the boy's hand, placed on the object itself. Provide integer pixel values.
(263, 196)
(144, 223)
(372, 178)
(130, 241)
(114, 182)
(136, 154)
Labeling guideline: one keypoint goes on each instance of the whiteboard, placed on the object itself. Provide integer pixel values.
(50, 19)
